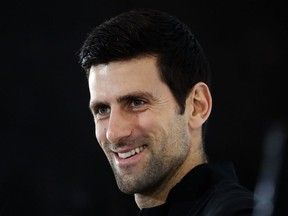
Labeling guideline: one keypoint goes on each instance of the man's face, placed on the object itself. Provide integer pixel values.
(137, 123)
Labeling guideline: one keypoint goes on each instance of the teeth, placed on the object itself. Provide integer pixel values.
(132, 152)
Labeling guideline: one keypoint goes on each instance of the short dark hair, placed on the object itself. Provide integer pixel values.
(141, 32)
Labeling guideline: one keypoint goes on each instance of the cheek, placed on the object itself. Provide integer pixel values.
(150, 122)
(100, 133)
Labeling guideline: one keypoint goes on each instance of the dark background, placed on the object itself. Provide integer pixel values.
(50, 163)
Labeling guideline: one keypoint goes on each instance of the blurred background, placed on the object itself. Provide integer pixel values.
(50, 162)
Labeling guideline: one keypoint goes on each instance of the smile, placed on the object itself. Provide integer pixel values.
(132, 152)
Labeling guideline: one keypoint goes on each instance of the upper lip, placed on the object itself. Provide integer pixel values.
(130, 153)
(125, 149)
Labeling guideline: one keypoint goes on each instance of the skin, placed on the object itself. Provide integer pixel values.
(134, 109)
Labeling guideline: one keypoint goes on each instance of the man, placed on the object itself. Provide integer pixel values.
(149, 94)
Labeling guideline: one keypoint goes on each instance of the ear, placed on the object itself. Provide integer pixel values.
(198, 105)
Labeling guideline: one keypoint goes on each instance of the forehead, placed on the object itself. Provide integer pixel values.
(124, 76)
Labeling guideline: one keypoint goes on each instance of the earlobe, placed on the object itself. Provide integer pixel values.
(199, 102)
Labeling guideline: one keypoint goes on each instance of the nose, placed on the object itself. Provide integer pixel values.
(120, 126)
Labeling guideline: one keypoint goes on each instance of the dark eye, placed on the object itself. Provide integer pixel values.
(138, 102)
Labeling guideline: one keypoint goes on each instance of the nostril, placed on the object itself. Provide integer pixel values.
(115, 135)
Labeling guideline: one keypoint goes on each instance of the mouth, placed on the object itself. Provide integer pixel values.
(132, 152)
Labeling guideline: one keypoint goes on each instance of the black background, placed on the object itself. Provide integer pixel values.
(49, 159)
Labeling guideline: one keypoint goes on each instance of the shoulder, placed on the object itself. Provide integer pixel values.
(229, 199)
(224, 196)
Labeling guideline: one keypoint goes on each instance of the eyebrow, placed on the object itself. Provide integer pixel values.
(135, 95)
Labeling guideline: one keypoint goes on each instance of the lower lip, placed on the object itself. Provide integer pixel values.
(127, 162)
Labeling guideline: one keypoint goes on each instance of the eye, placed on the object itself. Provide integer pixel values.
(102, 110)
(137, 102)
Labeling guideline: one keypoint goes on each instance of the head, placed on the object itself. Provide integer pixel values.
(147, 76)
(143, 32)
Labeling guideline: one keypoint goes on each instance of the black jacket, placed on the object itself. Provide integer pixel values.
(208, 190)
